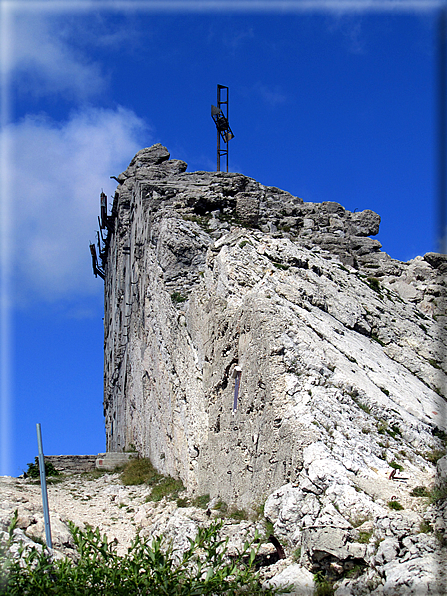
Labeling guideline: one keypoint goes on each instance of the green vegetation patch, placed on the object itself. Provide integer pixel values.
(282, 266)
(438, 493)
(359, 403)
(238, 514)
(221, 506)
(420, 491)
(434, 455)
(396, 466)
(34, 470)
(200, 501)
(201, 220)
(323, 587)
(166, 487)
(441, 434)
(141, 471)
(395, 505)
(425, 528)
(149, 567)
(374, 284)
(364, 537)
(178, 298)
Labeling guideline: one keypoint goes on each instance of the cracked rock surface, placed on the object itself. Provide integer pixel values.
(342, 380)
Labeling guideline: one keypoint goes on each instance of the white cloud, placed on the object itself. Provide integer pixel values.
(42, 61)
(57, 172)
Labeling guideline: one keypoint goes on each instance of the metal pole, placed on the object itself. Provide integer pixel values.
(228, 118)
(43, 485)
(442, 129)
(218, 132)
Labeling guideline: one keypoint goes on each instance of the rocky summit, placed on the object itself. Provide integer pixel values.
(269, 354)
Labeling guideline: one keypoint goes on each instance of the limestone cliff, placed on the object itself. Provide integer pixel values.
(336, 342)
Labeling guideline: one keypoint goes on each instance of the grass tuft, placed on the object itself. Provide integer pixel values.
(167, 487)
(420, 491)
(434, 455)
(140, 471)
(395, 505)
(177, 298)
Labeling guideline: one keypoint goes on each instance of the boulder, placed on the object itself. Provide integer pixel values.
(299, 579)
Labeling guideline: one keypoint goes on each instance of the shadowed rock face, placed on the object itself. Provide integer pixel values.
(336, 340)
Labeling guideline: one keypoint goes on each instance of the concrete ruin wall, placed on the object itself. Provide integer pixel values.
(72, 464)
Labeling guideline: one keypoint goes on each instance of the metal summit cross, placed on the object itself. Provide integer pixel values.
(224, 132)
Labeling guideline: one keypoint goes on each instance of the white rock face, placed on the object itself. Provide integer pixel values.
(301, 580)
(326, 351)
(343, 375)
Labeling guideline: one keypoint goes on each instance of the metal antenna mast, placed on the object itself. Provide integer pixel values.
(222, 124)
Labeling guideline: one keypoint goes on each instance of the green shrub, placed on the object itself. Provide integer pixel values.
(394, 430)
(183, 502)
(395, 505)
(141, 471)
(34, 470)
(374, 284)
(361, 405)
(238, 514)
(176, 298)
(382, 427)
(441, 434)
(269, 528)
(281, 266)
(150, 568)
(434, 455)
(420, 491)
(322, 586)
(438, 493)
(364, 536)
(396, 466)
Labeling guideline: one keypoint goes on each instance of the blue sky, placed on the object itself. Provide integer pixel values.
(332, 101)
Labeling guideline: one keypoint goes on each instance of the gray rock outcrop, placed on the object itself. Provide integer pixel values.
(191, 292)
(263, 348)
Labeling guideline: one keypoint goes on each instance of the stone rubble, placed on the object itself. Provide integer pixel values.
(319, 528)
